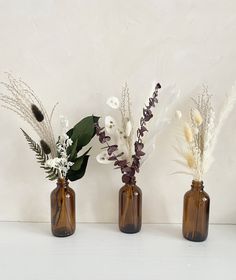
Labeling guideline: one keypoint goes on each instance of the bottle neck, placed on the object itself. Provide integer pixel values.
(197, 185)
(62, 182)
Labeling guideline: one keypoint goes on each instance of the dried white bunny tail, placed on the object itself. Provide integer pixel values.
(188, 134)
(190, 160)
(197, 117)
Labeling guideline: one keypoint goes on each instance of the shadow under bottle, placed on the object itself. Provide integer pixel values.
(63, 220)
(130, 209)
(196, 213)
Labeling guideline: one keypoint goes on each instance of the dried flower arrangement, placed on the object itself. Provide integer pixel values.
(125, 151)
(59, 158)
(199, 135)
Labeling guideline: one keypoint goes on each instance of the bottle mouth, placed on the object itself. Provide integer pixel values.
(197, 184)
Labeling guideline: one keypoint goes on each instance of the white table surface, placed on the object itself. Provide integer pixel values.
(99, 251)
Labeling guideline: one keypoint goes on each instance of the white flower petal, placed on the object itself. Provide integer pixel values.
(103, 158)
(113, 102)
(50, 163)
(110, 124)
(64, 124)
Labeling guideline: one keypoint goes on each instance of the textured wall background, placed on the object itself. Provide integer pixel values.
(79, 53)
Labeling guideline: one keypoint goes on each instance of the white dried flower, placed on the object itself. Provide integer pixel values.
(51, 163)
(62, 162)
(64, 124)
(110, 124)
(113, 102)
(103, 158)
(178, 114)
(69, 142)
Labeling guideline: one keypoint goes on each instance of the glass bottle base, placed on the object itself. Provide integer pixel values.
(63, 232)
(195, 237)
(130, 229)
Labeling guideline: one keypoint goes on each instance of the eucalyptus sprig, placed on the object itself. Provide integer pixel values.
(113, 153)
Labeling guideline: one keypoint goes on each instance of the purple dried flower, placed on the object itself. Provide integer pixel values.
(141, 130)
(112, 158)
(121, 163)
(103, 138)
(138, 146)
(112, 149)
(140, 154)
(147, 113)
(129, 169)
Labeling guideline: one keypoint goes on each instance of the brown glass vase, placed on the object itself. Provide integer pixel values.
(196, 213)
(63, 209)
(130, 209)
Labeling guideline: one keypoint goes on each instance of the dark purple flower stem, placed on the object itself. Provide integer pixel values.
(127, 170)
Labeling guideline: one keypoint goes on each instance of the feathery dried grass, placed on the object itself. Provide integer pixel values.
(22, 100)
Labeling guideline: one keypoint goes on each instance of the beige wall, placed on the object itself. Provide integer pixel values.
(79, 53)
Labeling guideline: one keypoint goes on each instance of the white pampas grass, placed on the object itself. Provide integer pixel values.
(201, 134)
(22, 100)
(226, 109)
(164, 117)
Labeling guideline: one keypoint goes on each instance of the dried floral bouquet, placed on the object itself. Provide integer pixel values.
(199, 135)
(126, 152)
(197, 141)
(60, 159)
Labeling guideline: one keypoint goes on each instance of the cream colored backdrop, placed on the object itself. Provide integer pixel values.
(81, 52)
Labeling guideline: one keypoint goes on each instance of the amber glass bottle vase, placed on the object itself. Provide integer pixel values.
(196, 213)
(63, 209)
(130, 209)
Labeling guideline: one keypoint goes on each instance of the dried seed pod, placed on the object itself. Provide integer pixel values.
(45, 147)
(37, 113)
